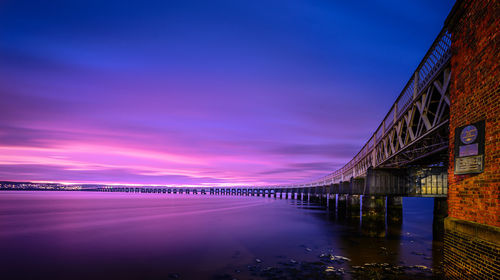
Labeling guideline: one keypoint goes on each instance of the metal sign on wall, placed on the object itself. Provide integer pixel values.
(469, 148)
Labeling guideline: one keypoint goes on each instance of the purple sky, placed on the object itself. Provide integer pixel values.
(200, 92)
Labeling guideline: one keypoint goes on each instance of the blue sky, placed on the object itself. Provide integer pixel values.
(200, 92)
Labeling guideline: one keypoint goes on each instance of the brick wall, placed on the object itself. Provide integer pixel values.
(471, 251)
(475, 96)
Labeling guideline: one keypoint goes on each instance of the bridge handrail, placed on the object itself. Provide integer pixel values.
(437, 55)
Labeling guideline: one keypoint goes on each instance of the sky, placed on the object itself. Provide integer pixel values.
(200, 92)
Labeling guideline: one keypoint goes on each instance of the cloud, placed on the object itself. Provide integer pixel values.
(335, 151)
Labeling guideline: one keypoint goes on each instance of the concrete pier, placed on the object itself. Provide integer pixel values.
(341, 206)
(332, 202)
(353, 206)
(440, 213)
(394, 209)
(373, 216)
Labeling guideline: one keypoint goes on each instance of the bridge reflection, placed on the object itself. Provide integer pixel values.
(378, 215)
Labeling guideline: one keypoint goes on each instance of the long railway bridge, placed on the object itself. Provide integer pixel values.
(454, 93)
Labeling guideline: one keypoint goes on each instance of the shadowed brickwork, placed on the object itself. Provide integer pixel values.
(471, 250)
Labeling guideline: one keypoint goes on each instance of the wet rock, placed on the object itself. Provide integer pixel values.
(174, 276)
(252, 267)
(330, 269)
(342, 258)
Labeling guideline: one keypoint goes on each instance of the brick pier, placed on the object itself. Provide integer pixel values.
(472, 240)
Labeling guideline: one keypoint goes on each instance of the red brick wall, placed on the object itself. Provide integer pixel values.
(475, 96)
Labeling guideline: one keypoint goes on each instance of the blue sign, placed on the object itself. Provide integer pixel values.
(469, 134)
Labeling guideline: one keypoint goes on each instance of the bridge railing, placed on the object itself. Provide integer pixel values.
(436, 57)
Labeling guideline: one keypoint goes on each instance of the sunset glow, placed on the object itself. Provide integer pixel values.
(172, 93)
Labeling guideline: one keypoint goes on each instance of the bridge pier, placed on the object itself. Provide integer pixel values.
(394, 209)
(312, 196)
(440, 213)
(320, 195)
(373, 216)
(323, 197)
(341, 205)
(353, 206)
(332, 202)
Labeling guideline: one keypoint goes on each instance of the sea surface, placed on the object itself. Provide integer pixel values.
(95, 235)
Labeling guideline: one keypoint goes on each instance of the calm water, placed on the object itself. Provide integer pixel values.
(86, 235)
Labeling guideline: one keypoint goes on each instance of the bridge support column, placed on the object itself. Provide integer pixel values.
(332, 202)
(394, 209)
(440, 213)
(313, 196)
(323, 196)
(373, 216)
(341, 205)
(353, 206)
